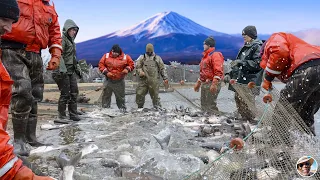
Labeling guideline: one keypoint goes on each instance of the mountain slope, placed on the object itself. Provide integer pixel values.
(311, 36)
(163, 24)
(174, 37)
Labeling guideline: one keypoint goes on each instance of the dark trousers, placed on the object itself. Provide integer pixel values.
(302, 91)
(69, 91)
(118, 88)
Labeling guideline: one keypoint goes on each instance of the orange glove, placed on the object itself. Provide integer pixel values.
(125, 71)
(214, 86)
(110, 74)
(166, 83)
(197, 86)
(267, 85)
(55, 58)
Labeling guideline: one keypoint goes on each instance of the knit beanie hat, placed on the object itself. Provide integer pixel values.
(9, 9)
(116, 48)
(250, 31)
(149, 48)
(210, 42)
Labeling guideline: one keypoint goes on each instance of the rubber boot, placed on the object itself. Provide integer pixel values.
(32, 128)
(72, 108)
(62, 109)
(20, 122)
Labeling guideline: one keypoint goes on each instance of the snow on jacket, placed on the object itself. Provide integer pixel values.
(284, 53)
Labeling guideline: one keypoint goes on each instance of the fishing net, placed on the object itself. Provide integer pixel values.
(273, 147)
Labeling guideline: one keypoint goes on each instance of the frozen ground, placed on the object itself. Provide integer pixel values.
(128, 139)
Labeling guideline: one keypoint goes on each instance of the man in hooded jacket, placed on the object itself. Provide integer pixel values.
(66, 75)
(246, 68)
(149, 68)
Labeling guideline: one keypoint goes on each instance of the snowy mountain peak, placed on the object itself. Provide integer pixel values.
(165, 23)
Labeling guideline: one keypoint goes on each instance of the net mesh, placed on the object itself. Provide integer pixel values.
(273, 147)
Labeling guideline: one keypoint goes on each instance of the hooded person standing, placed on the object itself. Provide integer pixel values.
(11, 166)
(246, 68)
(211, 73)
(66, 75)
(149, 69)
(38, 28)
(115, 65)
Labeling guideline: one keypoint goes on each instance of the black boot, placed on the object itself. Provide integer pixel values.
(19, 122)
(72, 108)
(62, 109)
(32, 128)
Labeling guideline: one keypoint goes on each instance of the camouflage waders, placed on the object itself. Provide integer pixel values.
(26, 70)
(149, 83)
(208, 99)
(118, 88)
(143, 88)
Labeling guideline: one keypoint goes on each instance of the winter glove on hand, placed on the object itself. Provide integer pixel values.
(105, 72)
(227, 79)
(236, 62)
(110, 75)
(197, 86)
(141, 74)
(214, 86)
(125, 71)
(166, 83)
(267, 85)
(55, 58)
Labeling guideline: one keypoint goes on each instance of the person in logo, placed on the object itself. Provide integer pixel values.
(304, 166)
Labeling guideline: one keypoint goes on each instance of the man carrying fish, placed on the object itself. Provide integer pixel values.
(11, 167)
